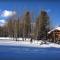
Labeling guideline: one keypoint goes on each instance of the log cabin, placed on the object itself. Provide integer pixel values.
(54, 35)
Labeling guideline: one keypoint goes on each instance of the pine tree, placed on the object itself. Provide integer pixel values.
(42, 25)
(26, 25)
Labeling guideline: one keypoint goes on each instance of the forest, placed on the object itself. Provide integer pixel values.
(25, 26)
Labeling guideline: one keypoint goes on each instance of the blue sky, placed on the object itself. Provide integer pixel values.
(9, 8)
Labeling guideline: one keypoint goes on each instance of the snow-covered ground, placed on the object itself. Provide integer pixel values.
(10, 42)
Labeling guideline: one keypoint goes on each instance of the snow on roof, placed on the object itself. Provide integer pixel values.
(57, 28)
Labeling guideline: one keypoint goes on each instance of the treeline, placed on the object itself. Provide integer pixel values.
(16, 26)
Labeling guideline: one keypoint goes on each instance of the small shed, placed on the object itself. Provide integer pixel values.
(54, 34)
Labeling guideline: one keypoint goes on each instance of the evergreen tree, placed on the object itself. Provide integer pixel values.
(42, 25)
(26, 25)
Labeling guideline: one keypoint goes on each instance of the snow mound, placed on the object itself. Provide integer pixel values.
(9, 42)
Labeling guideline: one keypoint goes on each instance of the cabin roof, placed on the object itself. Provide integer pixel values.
(56, 28)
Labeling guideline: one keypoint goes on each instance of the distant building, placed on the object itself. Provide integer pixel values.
(54, 34)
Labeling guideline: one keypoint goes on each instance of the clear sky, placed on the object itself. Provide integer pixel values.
(10, 7)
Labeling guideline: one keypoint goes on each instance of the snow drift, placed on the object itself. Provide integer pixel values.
(9, 42)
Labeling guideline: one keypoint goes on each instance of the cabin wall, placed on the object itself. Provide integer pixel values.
(54, 36)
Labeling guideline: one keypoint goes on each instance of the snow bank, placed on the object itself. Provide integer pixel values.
(28, 44)
(11, 38)
(8, 42)
(2, 38)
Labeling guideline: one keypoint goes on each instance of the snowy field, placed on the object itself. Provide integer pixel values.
(6, 41)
